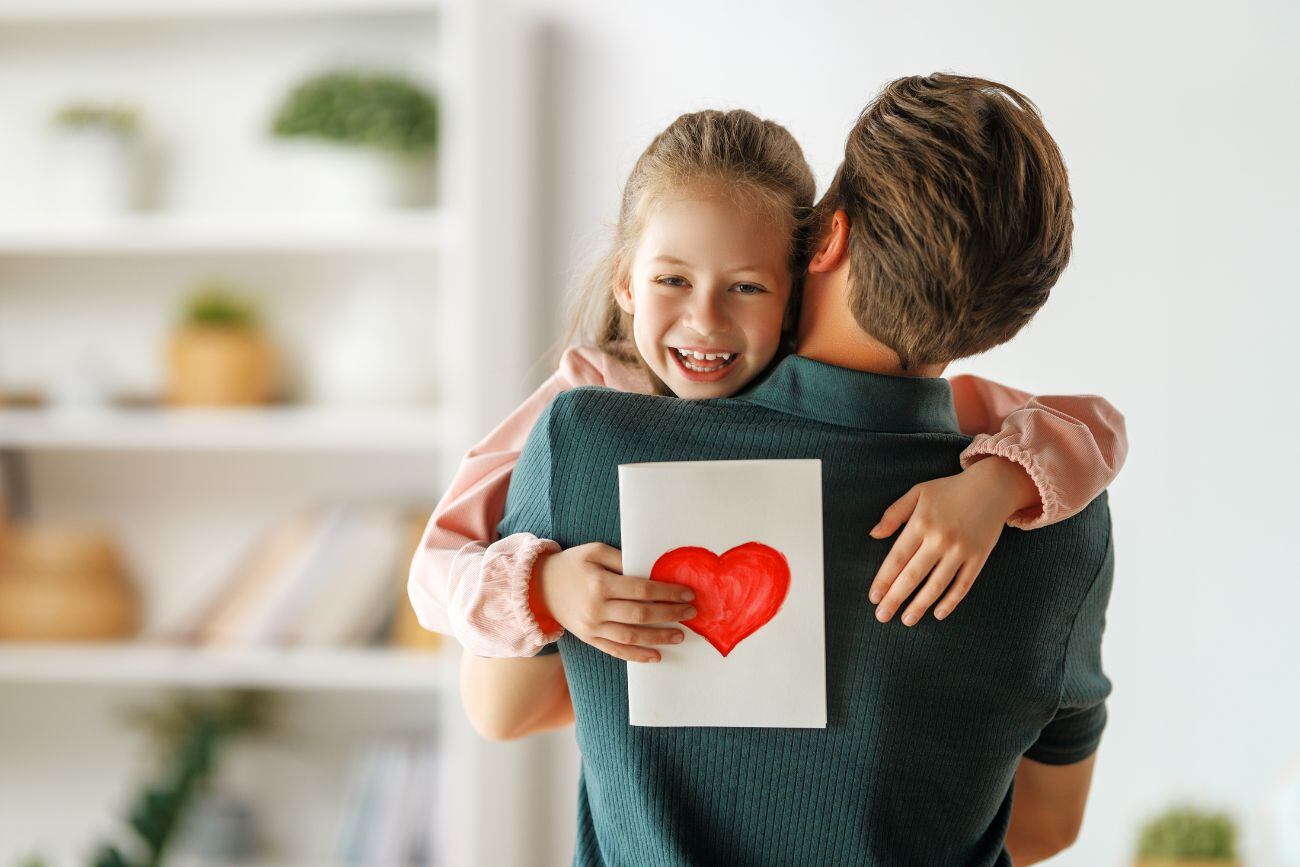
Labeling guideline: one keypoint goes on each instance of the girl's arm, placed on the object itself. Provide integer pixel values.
(512, 698)
(463, 581)
(1072, 446)
(1054, 455)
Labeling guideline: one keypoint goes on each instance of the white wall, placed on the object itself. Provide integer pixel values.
(1179, 125)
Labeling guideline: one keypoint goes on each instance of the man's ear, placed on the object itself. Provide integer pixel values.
(832, 246)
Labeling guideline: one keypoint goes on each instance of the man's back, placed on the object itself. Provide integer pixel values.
(925, 725)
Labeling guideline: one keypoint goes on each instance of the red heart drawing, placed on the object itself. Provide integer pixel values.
(735, 594)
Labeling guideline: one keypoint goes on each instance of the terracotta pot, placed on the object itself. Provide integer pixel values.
(211, 365)
(64, 585)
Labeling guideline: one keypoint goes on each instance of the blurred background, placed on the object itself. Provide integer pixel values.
(268, 268)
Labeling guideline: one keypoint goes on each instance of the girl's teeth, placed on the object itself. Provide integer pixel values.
(704, 356)
(689, 356)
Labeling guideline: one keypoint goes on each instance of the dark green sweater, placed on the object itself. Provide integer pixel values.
(925, 725)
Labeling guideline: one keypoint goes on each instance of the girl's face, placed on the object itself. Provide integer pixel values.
(708, 290)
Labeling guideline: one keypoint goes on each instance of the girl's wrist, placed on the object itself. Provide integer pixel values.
(537, 603)
(1013, 484)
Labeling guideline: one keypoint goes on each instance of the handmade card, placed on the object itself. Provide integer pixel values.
(746, 536)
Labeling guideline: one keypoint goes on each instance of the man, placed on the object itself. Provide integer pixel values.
(940, 237)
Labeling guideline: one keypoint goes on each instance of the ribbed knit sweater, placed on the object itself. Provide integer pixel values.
(925, 724)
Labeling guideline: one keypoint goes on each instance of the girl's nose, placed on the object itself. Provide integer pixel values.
(706, 315)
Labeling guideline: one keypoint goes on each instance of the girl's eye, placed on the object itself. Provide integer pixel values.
(749, 288)
(671, 281)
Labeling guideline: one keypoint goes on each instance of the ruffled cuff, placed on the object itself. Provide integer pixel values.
(496, 620)
(1003, 444)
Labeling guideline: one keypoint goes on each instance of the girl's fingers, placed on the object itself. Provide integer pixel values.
(639, 636)
(904, 547)
(620, 611)
(966, 576)
(939, 580)
(624, 651)
(606, 557)
(897, 514)
(908, 580)
(645, 590)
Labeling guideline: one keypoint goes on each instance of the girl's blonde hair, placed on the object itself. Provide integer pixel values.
(755, 162)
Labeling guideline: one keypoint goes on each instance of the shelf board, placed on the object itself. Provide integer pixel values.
(423, 231)
(41, 11)
(268, 429)
(175, 666)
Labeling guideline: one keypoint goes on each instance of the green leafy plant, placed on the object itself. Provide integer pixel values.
(363, 109)
(189, 733)
(119, 120)
(216, 304)
(1186, 832)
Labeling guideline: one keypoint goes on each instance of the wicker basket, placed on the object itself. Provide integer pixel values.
(59, 584)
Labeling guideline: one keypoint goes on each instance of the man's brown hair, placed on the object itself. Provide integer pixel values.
(959, 209)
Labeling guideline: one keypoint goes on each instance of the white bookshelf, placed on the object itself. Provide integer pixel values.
(418, 232)
(364, 670)
(97, 11)
(187, 490)
(302, 428)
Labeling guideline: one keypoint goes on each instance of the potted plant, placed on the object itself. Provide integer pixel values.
(370, 350)
(365, 139)
(95, 150)
(219, 354)
(1188, 837)
(192, 734)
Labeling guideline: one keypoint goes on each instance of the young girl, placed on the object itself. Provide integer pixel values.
(699, 296)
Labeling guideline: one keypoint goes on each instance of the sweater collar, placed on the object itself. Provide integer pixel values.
(854, 398)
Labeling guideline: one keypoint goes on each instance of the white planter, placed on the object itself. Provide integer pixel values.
(93, 173)
(333, 178)
(369, 355)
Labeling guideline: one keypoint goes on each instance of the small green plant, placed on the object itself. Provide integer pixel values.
(363, 109)
(217, 305)
(190, 734)
(1186, 832)
(118, 120)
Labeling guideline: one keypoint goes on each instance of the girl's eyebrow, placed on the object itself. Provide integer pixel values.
(673, 260)
(670, 260)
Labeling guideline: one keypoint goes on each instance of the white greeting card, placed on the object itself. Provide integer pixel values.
(746, 536)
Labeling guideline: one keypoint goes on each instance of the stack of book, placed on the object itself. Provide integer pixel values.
(327, 576)
(390, 805)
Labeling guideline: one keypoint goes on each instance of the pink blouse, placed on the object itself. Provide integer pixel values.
(467, 583)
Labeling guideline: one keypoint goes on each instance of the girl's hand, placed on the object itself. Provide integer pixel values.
(952, 525)
(585, 590)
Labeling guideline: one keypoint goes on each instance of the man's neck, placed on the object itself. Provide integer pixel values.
(839, 340)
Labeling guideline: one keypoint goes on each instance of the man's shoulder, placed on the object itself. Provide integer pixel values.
(1076, 551)
(588, 405)
(603, 406)
(603, 398)
(602, 425)
(1090, 528)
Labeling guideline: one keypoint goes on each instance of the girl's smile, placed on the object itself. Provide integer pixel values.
(703, 365)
